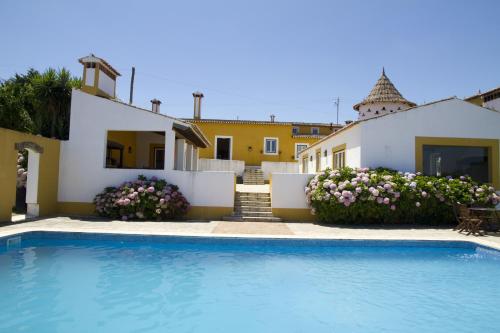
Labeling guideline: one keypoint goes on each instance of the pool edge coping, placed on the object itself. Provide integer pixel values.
(478, 242)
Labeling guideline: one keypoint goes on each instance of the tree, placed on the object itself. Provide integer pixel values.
(38, 103)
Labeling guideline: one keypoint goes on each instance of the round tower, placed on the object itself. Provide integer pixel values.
(384, 98)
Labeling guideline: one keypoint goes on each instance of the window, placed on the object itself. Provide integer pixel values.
(339, 159)
(338, 156)
(271, 146)
(300, 147)
(295, 130)
(315, 130)
(325, 153)
(457, 161)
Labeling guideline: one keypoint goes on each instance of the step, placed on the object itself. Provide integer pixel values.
(236, 218)
(254, 214)
(253, 195)
(254, 208)
(261, 219)
(256, 194)
(252, 202)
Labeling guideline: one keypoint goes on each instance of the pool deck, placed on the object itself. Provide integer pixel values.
(244, 229)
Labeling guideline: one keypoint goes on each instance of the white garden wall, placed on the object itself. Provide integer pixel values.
(207, 164)
(278, 167)
(288, 190)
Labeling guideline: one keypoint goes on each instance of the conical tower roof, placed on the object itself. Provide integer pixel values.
(384, 92)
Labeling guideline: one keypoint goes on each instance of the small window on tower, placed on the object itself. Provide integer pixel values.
(376, 112)
(314, 130)
(383, 108)
(399, 108)
(369, 110)
(295, 130)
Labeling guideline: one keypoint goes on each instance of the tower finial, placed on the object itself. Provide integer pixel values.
(383, 70)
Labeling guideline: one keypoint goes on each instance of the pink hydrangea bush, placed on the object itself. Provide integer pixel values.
(142, 199)
(381, 195)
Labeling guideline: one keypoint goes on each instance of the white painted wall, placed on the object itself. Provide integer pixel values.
(33, 207)
(278, 167)
(208, 164)
(374, 107)
(208, 188)
(389, 141)
(180, 154)
(106, 84)
(493, 104)
(89, 76)
(288, 190)
(81, 166)
(350, 136)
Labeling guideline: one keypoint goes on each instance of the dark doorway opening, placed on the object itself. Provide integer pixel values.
(223, 147)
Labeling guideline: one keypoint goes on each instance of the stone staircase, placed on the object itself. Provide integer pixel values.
(253, 176)
(252, 200)
(252, 207)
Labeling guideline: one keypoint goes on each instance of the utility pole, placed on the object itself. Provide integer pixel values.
(337, 103)
(132, 86)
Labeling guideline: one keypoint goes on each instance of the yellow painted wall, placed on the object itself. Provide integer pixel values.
(252, 135)
(127, 139)
(48, 172)
(323, 130)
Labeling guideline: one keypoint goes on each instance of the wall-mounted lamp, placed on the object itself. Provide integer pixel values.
(250, 148)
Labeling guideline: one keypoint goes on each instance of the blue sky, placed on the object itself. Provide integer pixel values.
(256, 58)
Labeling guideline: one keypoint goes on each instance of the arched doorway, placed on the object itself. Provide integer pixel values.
(33, 166)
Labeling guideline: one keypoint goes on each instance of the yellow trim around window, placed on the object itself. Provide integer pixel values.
(338, 149)
(491, 144)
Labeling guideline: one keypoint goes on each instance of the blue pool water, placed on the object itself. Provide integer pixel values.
(68, 282)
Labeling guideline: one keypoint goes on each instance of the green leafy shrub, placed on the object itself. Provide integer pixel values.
(386, 196)
(142, 199)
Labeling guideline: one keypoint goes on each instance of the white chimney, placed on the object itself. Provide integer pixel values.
(155, 105)
(197, 104)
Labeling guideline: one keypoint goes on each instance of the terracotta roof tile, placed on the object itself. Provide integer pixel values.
(384, 91)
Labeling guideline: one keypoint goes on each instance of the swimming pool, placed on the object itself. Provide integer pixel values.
(77, 282)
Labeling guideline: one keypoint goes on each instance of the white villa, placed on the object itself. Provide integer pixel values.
(445, 137)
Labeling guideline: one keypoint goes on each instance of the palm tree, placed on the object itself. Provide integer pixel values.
(52, 90)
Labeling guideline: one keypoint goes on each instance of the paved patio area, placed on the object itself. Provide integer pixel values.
(243, 229)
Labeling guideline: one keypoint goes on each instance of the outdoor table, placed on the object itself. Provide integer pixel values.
(491, 216)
